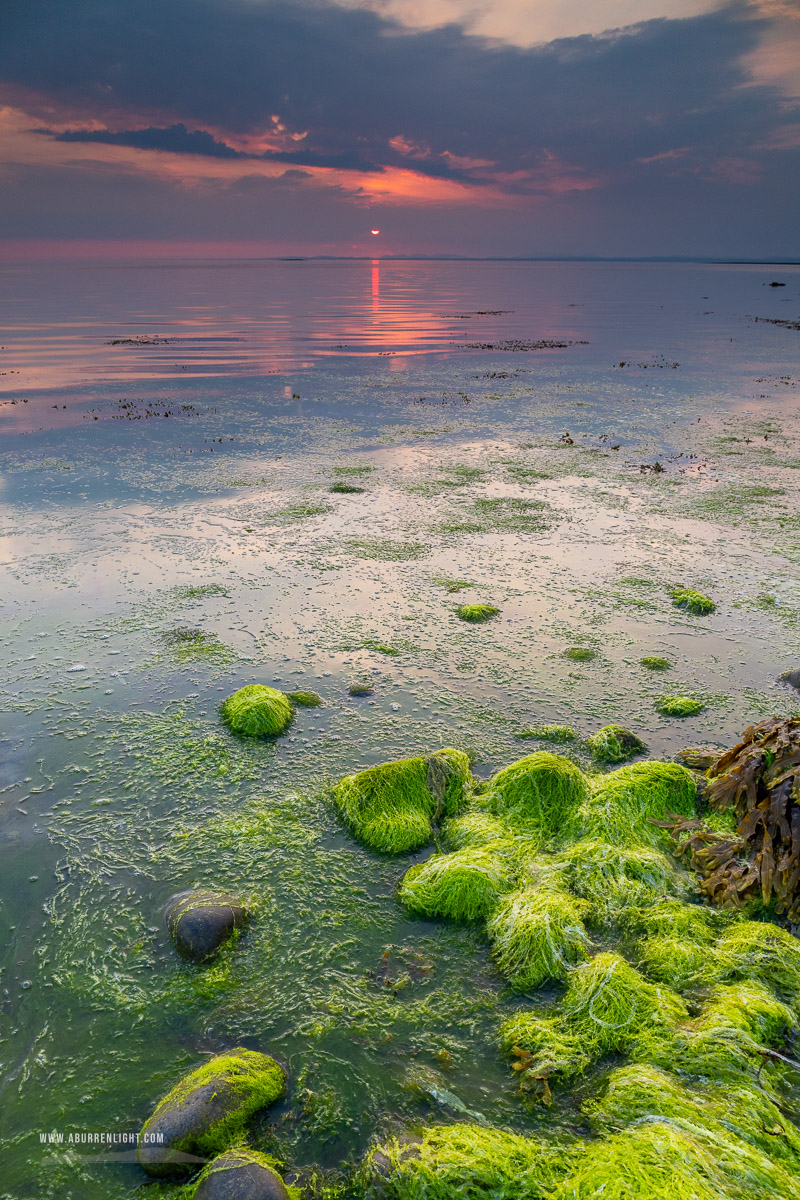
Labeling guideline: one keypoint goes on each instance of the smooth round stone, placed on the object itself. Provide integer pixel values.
(199, 923)
(240, 1175)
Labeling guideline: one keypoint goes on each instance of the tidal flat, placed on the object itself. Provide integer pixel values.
(302, 475)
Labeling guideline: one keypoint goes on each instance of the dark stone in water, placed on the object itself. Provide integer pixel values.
(240, 1175)
(199, 923)
(207, 1111)
(792, 678)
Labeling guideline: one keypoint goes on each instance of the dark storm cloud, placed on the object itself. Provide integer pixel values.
(351, 81)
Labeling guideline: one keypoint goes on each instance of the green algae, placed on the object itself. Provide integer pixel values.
(624, 803)
(614, 743)
(346, 489)
(305, 699)
(475, 829)
(463, 886)
(759, 950)
(654, 662)
(549, 733)
(243, 1082)
(679, 706)
(187, 645)
(537, 935)
(543, 1047)
(393, 807)
(542, 790)
(476, 613)
(198, 591)
(619, 882)
(453, 585)
(385, 549)
(609, 1005)
(694, 602)
(256, 711)
(360, 689)
(467, 1161)
(580, 653)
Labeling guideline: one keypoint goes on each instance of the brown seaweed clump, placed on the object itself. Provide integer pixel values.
(758, 782)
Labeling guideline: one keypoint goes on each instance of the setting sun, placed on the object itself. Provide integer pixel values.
(374, 232)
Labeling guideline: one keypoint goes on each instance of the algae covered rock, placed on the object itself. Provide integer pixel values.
(609, 1004)
(206, 1112)
(614, 743)
(393, 807)
(619, 882)
(543, 790)
(463, 886)
(476, 614)
(692, 601)
(199, 923)
(624, 804)
(475, 829)
(240, 1174)
(679, 706)
(538, 935)
(256, 711)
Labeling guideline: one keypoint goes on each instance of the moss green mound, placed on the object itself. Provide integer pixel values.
(580, 653)
(619, 882)
(542, 790)
(463, 886)
(694, 602)
(206, 1112)
(542, 1047)
(757, 950)
(667, 1159)
(727, 1041)
(476, 614)
(679, 706)
(614, 743)
(305, 699)
(680, 948)
(392, 807)
(538, 935)
(654, 662)
(624, 803)
(609, 1005)
(475, 829)
(467, 1162)
(256, 711)
(346, 489)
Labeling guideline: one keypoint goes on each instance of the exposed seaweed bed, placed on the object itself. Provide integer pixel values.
(409, 995)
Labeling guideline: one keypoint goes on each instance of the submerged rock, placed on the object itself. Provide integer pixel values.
(792, 678)
(206, 1112)
(240, 1174)
(199, 923)
(256, 711)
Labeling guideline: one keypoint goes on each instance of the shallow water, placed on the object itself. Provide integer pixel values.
(185, 482)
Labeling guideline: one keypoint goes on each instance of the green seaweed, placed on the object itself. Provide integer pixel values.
(542, 1047)
(305, 699)
(346, 489)
(694, 602)
(463, 886)
(679, 706)
(542, 790)
(452, 585)
(393, 807)
(465, 1161)
(580, 653)
(475, 829)
(538, 935)
(244, 1156)
(256, 711)
(759, 950)
(619, 882)
(476, 613)
(549, 733)
(654, 662)
(614, 743)
(624, 803)
(609, 1005)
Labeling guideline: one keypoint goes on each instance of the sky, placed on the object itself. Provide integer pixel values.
(452, 127)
